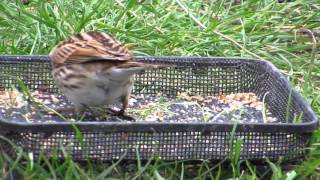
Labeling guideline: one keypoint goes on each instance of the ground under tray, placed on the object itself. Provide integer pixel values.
(238, 107)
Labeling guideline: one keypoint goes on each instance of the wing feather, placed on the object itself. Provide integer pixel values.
(89, 46)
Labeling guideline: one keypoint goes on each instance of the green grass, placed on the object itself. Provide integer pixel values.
(287, 34)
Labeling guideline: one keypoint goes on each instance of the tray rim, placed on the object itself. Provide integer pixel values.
(306, 127)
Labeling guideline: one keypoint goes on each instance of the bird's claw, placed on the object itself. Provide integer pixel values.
(120, 114)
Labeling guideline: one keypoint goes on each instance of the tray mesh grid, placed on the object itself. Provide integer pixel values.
(206, 76)
(165, 145)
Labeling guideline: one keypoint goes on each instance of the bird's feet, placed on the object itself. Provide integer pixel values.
(81, 114)
(120, 114)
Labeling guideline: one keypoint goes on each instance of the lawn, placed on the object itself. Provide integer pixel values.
(287, 34)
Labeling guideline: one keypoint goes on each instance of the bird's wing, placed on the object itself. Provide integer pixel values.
(89, 46)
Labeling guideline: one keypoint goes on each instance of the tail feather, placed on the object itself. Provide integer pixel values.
(141, 65)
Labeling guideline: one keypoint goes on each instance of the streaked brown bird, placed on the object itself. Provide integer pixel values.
(94, 69)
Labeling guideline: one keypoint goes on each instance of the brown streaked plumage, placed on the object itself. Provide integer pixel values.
(94, 69)
(84, 47)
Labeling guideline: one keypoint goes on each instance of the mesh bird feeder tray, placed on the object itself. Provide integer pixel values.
(108, 140)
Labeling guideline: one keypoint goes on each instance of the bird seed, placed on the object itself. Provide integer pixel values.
(43, 107)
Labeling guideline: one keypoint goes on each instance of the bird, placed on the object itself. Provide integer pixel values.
(94, 69)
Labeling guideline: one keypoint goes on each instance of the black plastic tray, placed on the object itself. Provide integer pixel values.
(170, 141)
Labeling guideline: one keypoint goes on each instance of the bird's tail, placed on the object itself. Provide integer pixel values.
(138, 66)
